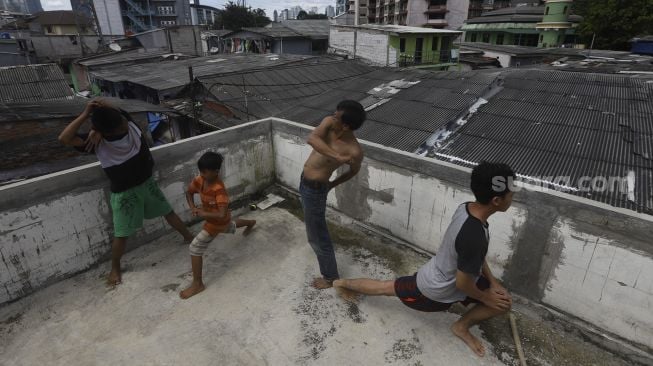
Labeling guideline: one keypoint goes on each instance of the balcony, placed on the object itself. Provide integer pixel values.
(436, 23)
(166, 14)
(258, 307)
(435, 9)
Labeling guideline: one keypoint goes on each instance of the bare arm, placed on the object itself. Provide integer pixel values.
(353, 170)
(190, 198)
(317, 140)
(488, 274)
(69, 136)
(496, 300)
(221, 214)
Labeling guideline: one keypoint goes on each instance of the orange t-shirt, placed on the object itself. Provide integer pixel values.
(213, 197)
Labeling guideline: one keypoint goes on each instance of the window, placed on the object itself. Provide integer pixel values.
(434, 44)
(559, 39)
(436, 16)
(541, 38)
(49, 29)
(402, 45)
(473, 37)
(486, 37)
(565, 11)
(166, 10)
(437, 2)
(546, 12)
(500, 38)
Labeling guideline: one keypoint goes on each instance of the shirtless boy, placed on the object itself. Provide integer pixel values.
(334, 145)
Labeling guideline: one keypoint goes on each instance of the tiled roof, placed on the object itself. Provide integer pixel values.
(33, 83)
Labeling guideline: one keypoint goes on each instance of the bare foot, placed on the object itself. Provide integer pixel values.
(193, 290)
(114, 278)
(250, 227)
(321, 284)
(346, 294)
(463, 333)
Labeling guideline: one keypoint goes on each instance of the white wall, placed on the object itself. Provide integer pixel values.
(457, 12)
(604, 282)
(413, 207)
(65, 225)
(342, 39)
(600, 278)
(109, 17)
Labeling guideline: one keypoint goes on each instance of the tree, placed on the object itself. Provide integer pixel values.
(302, 15)
(235, 17)
(614, 22)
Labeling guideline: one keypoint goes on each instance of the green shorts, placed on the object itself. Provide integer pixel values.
(130, 207)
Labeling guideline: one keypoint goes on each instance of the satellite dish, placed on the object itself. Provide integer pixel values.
(115, 47)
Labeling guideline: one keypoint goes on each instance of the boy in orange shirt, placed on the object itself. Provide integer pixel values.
(215, 210)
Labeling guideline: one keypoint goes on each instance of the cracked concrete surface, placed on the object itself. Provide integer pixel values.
(258, 309)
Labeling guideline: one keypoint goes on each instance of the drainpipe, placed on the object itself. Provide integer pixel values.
(356, 16)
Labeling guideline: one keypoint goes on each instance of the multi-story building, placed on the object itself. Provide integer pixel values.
(133, 16)
(548, 25)
(21, 6)
(330, 11)
(203, 14)
(313, 10)
(275, 16)
(450, 14)
(480, 7)
(285, 14)
(342, 6)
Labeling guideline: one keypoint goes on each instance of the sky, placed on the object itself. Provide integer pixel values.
(268, 5)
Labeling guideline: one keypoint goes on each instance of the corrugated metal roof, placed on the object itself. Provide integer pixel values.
(551, 124)
(124, 56)
(174, 74)
(68, 108)
(33, 83)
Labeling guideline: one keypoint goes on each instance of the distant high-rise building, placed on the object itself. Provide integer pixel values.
(295, 11)
(117, 17)
(330, 11)
(313, 10)
(342, 6)
(276, 16)
(285, 15)
(21, 6)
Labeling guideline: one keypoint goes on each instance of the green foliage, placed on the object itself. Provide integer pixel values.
(235, 17)
(615, 22)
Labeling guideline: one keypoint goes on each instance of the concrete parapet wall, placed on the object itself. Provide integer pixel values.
(586, 259)
(54, 226)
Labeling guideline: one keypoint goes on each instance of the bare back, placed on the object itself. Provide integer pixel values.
(320, 166)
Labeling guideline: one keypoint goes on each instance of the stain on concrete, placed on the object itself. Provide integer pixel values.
(544, 343)
(404, 349)
(12, 319)
(170, 287)
(352, 200)
(531, 246)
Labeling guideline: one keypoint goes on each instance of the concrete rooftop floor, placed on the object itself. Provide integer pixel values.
(257, 309)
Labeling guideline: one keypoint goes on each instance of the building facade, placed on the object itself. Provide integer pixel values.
(203, 14)
(21, 6)
(547, 25)
(135, 16)
(396, 46)
(330, 11)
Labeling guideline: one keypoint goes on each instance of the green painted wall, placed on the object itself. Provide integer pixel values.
(555, 12)
(411, 42)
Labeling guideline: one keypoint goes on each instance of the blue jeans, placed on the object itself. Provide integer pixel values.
(314, 199)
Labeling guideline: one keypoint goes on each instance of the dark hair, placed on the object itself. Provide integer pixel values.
(491, 180)
(353, 113)
(210, 161)
(106, 119)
